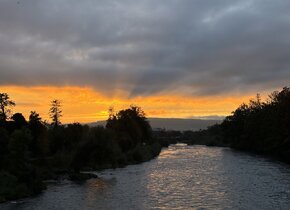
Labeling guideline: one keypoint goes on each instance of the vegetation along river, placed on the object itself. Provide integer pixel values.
(182, 177)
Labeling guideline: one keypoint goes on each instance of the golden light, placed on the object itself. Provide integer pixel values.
(84, 104)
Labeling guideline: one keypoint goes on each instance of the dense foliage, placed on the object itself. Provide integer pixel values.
(32, 151)
(260, 127)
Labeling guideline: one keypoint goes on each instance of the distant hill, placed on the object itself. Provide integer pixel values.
(174, 123)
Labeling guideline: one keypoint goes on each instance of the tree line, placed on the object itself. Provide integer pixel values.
(261, 127)
(33, 150)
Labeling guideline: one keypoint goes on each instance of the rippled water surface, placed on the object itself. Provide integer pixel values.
(182, 177)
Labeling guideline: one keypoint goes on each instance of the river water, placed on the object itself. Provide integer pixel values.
(182, 177)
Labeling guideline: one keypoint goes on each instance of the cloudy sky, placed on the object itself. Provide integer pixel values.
(209, 55)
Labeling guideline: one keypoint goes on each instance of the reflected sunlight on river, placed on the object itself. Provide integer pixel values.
(182, 177)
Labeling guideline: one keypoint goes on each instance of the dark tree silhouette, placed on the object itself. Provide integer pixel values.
(5, 104)
(34, 118)
(259, 127)
(19, 120)
(38, 145)
(33, 151)
(131, 126)
(112, 119)
(55, 112)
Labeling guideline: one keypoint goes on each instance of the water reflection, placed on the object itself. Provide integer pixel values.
(182, 177)
(96, 188)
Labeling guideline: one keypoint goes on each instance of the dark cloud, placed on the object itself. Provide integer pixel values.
(145, 47)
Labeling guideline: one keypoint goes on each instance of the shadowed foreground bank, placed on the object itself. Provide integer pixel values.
(33, 151)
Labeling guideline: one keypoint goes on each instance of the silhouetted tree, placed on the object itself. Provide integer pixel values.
(5, 104)
(39, 144)
(262, 127)
(33, 151)
(19, 120)
(55, 112)
(112, 119)
(34, 118)
(131, 127)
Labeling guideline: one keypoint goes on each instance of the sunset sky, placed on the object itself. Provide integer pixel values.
(174, 58)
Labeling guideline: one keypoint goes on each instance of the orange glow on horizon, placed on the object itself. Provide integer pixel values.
(84, 104)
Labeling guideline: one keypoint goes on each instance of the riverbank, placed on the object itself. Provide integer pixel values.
(184, 177)
(33, 151)
(12, 190)
(260, 127)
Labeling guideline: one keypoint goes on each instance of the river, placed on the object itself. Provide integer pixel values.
(182, 177)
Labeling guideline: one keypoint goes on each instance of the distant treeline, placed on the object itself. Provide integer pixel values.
(259, 127)
(32, 150)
